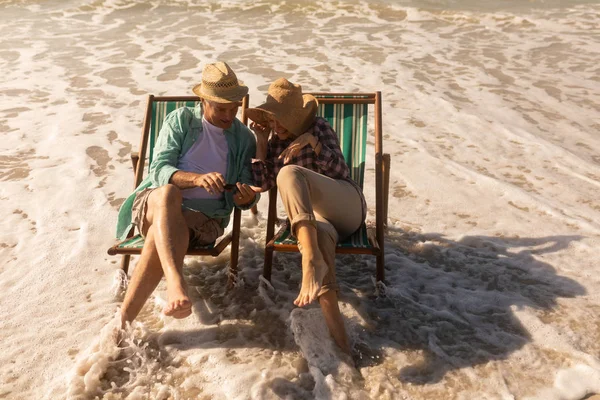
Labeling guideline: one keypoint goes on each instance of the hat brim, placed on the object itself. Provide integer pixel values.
(259, 115)
(226, 96)
(297, 121)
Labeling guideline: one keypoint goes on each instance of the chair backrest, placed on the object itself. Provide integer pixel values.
(160, 109)
(348, 114)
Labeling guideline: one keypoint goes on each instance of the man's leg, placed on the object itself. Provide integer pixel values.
(167, 239)
(144, 279)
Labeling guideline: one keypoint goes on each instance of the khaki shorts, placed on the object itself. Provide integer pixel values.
(203, 230)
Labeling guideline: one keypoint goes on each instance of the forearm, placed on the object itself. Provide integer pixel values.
(261, 148)
(184, 179)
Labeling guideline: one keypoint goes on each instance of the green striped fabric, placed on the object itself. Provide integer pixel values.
(160, 109)
(137, 242)
(358, 239)
(349, 121)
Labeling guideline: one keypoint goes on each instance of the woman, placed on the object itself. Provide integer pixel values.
(322, 202)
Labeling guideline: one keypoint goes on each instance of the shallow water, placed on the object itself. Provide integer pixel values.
(491, 116)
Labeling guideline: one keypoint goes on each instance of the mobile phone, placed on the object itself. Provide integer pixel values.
(229, 187)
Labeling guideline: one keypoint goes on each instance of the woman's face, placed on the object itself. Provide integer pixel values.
(279, 129)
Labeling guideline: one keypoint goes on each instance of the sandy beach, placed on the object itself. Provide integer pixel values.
(491, 117)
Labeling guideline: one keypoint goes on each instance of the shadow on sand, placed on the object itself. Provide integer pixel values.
(451, 300)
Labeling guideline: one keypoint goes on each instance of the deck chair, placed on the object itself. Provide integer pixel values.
(156, 111)
(348, 115)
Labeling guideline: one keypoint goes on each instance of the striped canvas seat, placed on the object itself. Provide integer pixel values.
(349, 121)
(359, 240)
(156, 111)
(348, 115)
(137, 242)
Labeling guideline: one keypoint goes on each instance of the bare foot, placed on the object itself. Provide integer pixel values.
(179, 305)
(313, 272)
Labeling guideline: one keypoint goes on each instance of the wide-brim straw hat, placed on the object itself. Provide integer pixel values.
(220, 84)
(285, 102)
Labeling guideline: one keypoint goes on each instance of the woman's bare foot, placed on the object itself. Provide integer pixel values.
(179, 305)
(313, 272)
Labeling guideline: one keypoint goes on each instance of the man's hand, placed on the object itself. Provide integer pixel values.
(244, 195)
(213, 182)
(297, 145)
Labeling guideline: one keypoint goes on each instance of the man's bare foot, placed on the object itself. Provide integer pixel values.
(313, 272)
(179, 305)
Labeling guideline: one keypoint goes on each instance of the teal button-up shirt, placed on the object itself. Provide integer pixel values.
(180, 130)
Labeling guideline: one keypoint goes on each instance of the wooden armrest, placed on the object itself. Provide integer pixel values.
(386, 186)
(135, 157)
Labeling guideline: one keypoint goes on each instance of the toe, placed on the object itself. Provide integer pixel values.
(180, 314)
(303, 301)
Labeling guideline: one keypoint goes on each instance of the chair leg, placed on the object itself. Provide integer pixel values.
(380, 267)
(125, 263)
(268, 264)
(271, 218)
(235, 247)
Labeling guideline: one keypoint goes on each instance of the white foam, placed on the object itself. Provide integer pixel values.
(491, 118)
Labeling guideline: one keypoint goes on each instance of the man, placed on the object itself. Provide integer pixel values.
(183, 200)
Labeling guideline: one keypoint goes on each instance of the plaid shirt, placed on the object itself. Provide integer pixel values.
(330, 161)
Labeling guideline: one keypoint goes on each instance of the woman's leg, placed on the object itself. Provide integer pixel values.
(310, 200)
(333, 319)
(328, 297)
(314, 267)
(306, 193)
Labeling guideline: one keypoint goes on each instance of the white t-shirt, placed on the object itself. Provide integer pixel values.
(208, 154)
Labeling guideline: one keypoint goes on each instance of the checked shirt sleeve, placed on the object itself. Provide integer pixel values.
(263, 172)
(330, 160)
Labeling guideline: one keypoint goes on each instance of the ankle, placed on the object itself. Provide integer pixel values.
(175, 279)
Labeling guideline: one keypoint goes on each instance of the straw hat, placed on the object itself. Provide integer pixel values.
(220, 84)
(286, 103)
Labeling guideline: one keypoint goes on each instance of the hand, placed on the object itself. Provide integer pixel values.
(301, 141)
(244, 194)
(213, 182)
(257, 189)
(261, 131)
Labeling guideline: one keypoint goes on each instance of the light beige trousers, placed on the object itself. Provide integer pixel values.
(334, 207)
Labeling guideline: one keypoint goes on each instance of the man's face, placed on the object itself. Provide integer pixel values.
(220, 115)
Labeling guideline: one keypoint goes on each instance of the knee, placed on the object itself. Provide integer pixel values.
(288, 174)
(170, 196)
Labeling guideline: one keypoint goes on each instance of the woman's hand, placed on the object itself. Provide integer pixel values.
(244, 195)
(261, 131)
(301, 141)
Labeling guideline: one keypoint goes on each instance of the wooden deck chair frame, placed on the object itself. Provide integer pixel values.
(232, 237)
(382, 164)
